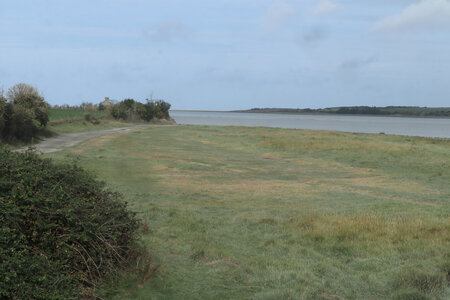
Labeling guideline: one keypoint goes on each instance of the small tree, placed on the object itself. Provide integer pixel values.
(149, 111)
(131, 110)
(22, 113)
(28, 97)
(163, 109)
(3, 106)
(20, 90)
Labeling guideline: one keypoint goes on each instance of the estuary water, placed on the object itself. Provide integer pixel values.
(426, 127)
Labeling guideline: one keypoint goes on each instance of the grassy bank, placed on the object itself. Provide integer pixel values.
(82, 126)
(57, 114)
(75, 120)
(260, 213)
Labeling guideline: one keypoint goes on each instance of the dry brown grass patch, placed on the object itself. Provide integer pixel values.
(374, 228)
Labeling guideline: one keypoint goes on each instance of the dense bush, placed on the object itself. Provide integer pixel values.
(23, 113)
(132, 110)
(61, 231)
(3, 113)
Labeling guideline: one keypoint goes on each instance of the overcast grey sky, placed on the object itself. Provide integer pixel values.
(230, 54)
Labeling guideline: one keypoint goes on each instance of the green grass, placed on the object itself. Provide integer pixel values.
(70, 121)
(73, 120)
(259, 213)
(82, 126)
(71, 126)
(57, 114)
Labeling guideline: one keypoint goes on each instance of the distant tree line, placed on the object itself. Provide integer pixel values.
(23, 112)
(131, 110)
(359, 110)
(126, 110)
(362, 110)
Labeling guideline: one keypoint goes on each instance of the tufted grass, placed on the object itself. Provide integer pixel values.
(259, 213)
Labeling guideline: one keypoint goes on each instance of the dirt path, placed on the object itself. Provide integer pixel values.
(71, 139)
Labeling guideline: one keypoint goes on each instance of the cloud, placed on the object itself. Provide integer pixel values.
(325, 7)
(168, 31)
(426, 14)
(314, 35)
(355, 64)
(278, 14)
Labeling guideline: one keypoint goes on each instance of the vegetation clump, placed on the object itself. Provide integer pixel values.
(131, 110)
(61, 230)
(23, 112)
(413, 111)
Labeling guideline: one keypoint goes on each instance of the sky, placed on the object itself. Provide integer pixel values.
(230, 54)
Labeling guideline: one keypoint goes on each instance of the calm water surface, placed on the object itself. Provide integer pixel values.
(390, 125)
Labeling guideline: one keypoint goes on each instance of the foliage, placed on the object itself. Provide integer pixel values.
(23, 113)
(63, 114)
(27, 97)
(3, 106)
(61, 230)
(363, 110)
(131, 110)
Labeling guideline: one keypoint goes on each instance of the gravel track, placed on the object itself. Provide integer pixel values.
(66, 140)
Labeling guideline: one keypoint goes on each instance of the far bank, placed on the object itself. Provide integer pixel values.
(425, 127)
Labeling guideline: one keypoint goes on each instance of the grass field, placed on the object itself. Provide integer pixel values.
(73, 120)
(57, 114)
(259, 213)
(82, 126)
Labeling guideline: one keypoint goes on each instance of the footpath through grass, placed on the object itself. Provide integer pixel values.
(83, 126)
(260, 213)
(75, 120)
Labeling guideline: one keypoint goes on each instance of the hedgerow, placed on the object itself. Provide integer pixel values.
(131, 110)
(61, 231)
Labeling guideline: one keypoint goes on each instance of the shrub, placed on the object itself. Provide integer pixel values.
(28, 97)
(149, 111)
(131, 110)
(162, 109)
(125, 110)
(21, 123)
(3, 106)
(61, 231)
(23, 113)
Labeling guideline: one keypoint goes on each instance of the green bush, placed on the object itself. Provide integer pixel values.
(61, 231)
(21, 123)
(23, 113)
(3, 106)
(155, 110)
(162, 109)
(27, 97)
(132, 110)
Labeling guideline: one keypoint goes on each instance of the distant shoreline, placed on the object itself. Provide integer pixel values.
(390, 111)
